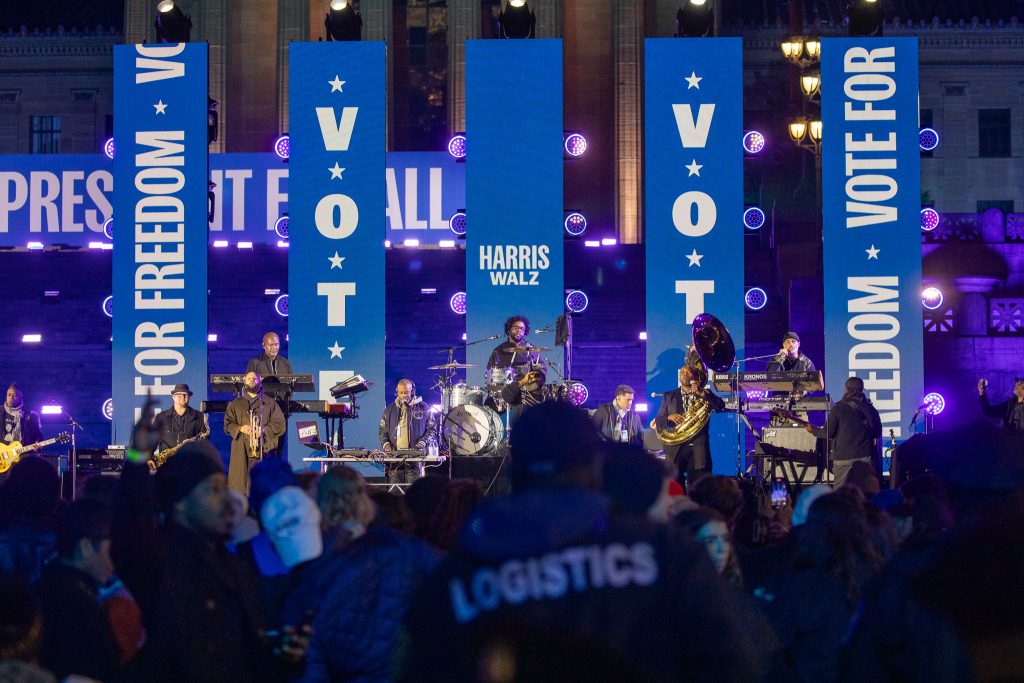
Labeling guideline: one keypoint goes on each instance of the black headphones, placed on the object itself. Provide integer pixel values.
(411, 384)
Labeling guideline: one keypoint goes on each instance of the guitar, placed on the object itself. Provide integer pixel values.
(11, 453)
(786, 415)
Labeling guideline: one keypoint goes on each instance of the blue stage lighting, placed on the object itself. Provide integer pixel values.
(575, 144)
(282, 146)
(576, 301)
(458, 303)
(108, 409)
(108, 228)
(753, 141)
(934, 403)
(281, 227)
(753, 218)
(108, 148)
(755, 298)
(108, 307)
(281, 305)
(928, 139)
(929, 219)
(575, 223)
(457, 223)
(457, 146)
(931, 298)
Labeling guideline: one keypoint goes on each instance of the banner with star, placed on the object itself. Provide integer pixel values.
(871, 203)
(336, 200)
(159, 258)
(693, 163)
(514, 168)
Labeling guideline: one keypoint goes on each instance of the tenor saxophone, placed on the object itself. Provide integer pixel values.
(161, 457)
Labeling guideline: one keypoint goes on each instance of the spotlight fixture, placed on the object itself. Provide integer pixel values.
(865, 17)
(281, 227)
(578, 393)
(281, 305)
(575, 223)
(108, 307)
(343, 22)
(108, 148)
(753, 218)
(931, 298)
(458, 303)
(929, 219)
(516, 20)
(753, 142)
(934, 403)
(457, 146)
(928, 139)
(172, 25)
(695, 19)
(108, 409)
(576, 301)
(282, 146)
(755, 298)
(575, 144)
(108, 228)
(457, 223)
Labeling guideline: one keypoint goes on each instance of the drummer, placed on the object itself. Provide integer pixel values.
(528, 386)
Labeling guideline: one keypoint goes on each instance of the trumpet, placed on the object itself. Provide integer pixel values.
(255, 436)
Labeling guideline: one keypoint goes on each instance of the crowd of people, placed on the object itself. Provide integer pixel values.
(596, 567)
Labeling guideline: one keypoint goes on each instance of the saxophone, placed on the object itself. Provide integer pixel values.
(161, 457)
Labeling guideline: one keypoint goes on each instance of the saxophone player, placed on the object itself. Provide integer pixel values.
(179, 422)
(694, 456)
(255, 424)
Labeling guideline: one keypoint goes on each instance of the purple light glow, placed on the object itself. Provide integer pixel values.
(281, 227)
(35, 246)
(576, 301)
(108, 228)
(282, 146)
(108, 409)
(753, 218)
(575, 144)
(457, 146)
(929, 219)
(934, 403)
(281, 305)
(592, 243)
(51, 409)
(108, 148)
(575, 223)
(458, 303)
(457, 223)
(31, 339)
(578, 393)
(108, 307)
(753, 141)
(220, 244)
(640, 407)
(931, 298)
(755, 394)
(755, 298)
(928, 138)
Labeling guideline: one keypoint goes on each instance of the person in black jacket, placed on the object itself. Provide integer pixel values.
(181, 421)
(694, 456)
(19, 423)
(1010, 411)
(617, 421)
(854, 429)
(270, 363)
(790, 358)
(406, 422)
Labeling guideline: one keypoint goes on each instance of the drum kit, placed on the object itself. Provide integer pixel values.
(475, 418)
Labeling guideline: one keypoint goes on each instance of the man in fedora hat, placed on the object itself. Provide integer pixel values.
(180, 421)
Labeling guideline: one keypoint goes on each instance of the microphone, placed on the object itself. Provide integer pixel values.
(543, 329)
(415, 401)
(655, 394)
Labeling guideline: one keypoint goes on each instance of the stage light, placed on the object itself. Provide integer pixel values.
(753, 218)
(931, 298)
(245, 245)
(608, 241)
(457, 223)
(929, 219)
(35, 246)
(575, 144)
(813, 48)
(753, 141)
(51, 410)
(578, 393)
(172, 25)
(576, 301)
(387, 244)
(102, 246)
(108, 148)
(755, 298)
(643, 336)
(928, 139)
(695, 19)
(516, 20)
(108, 228)
(592, 243)
(31, 339)
(281, 227)
(343, 22)
(220, 244)
(457, 146)
(282, 146)
(458, 303)
(428, 290)
(108, 307)
(575, 223)
(410, 242)
(640, 407)
(446, 244)
(211, 338)
(755, 394)
(792, 49)
(281, 305)
(866, 18)
(282, 243)
(108, 409)
(934, 403)
(271, 292)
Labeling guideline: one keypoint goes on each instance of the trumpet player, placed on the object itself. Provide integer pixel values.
(255, 424)
(694, 456)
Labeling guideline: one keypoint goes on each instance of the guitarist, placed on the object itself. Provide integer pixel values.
(20, 424)
(179, 422)
(854, 429)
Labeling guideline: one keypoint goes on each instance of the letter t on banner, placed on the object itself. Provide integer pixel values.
(871, 200)
(159, 270)
(336, 204)
(694, 176)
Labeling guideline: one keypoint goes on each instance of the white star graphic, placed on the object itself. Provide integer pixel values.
(335, 350)
(336, 171)
(694, 168)
(872, 253)
(694, 258)
(336, 261)
(693, 80)
(336, 84)
(160, 106)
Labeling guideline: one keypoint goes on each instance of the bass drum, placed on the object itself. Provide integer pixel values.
(473, 430)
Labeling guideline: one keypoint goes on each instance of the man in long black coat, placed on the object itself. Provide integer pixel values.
(238, 424)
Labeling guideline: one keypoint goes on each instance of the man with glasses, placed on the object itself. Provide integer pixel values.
(528, 386)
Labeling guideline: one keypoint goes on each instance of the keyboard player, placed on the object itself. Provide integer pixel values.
(406, 423)
(790, 358)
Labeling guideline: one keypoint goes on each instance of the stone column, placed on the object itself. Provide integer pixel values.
(139, 16)
(463, 24)
(292, 25)
(972, 317)
(549, 18)
(378, 24)
(627, 22)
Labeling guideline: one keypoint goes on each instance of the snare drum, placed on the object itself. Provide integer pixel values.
(473, 430)
(461, 395)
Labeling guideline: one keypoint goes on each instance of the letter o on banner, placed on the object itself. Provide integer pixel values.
(869, 87)
(873, 327)
(348, 216)
(159, 362)
(682, 213)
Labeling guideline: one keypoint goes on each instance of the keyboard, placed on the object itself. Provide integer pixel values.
(294, 406)
(807, 403)
(770, 381)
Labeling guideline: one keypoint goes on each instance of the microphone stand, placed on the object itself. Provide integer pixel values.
(73, 464)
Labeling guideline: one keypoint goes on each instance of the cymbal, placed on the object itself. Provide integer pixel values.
(451, 366)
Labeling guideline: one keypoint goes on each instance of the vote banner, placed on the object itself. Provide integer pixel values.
(336, 258)
(694, 189)
(159, 259)
(514, 132)
(871, 221)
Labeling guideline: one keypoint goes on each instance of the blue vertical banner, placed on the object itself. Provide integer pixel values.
(693, 161)
(514, 130)
(159, 269)
(336, 204)
(871, 198)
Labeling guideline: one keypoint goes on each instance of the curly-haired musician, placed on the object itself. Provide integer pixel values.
(528, 387)
(255, 424)
(1010, 411)
(694, 456)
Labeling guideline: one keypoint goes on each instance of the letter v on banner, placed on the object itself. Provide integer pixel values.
(159, 259)
(870, 217)
(694, 187)
(336, 255)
